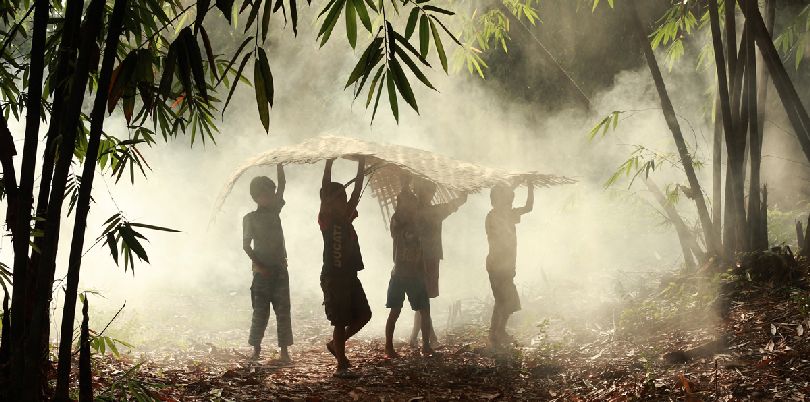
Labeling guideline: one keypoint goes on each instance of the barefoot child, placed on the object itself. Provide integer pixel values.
(271, 283)
(501, 261)
(430, 235)
(344, 299)
(408, 276)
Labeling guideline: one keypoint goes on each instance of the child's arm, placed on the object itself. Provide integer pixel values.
(529, 201)
(358, 183)
(247, 238)
(282, 181)
(327, 173)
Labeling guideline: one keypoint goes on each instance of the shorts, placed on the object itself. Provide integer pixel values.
(398, 287)
(432, 277)
(343, 298)
(504, 291)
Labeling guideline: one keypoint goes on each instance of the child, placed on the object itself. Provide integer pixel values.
(409, 271)
(430, 235)
(344, 299)
(501, 261)
(271, 283)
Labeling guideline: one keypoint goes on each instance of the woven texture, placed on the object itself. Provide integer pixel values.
(387, 163)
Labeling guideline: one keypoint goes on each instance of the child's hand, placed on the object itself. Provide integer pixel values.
(260, 269)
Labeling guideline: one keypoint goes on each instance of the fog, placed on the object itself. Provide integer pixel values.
(575, 246)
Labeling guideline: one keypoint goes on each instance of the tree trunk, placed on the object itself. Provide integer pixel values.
(754, 202)
(83, 203)
(805, 247)
(731, 35)
(671, 118)
(85, 372)
(784, 87)
(717, 171)
(43, 282)
(689, 246)
(24, 386)
(7, 152)
(729, 110)
(5, 347)
(799, 237)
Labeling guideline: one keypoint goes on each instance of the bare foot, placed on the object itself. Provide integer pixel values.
(391, 353)
(427, 351)
(257, 351)
(284, 356)
(413, 342)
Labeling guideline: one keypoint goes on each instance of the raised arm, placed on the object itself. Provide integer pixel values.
(327, 173)
(282, 181)
(358, 183)
(529, 201)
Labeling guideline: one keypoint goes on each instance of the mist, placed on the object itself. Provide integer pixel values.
(578, 244)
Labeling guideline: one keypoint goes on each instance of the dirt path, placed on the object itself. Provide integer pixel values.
(767, 357)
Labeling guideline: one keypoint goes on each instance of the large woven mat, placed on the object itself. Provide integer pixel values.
(387, 163)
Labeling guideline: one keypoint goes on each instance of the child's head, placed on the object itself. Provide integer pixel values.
(333, 197)
(502, 196)
(262, 190)
(406, 203)
(425, 190)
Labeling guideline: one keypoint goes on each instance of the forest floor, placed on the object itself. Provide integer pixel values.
(669, 343)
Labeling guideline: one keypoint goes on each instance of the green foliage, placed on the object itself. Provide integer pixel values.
(782, 224)
(383, 58)
(795, 38)
(683, 301)
(5, 276)
(801, 298)
(122, 239)
(130, 387)
(488, 28)
(609, 122)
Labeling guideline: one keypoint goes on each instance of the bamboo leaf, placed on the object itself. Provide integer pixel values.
(374, 84)
(267, 75)
(362, 13)
(330, 21)
(209, 52)
(202, 10)
(392, 96)
(437, 10)
(351, 23)
(226, 6)
(424, 36)
(294, 16)
(439, 46)
(411, 26)
(362, 65)
(266, 18)
(402, 84)
(235, 82)
(233, 59)
(414, 68)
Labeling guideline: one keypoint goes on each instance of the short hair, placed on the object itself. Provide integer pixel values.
(261, 184)
(405, 197)
(501, 193)
(333, 188)
(426, 186)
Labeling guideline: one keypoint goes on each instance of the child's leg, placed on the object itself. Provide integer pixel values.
(426, 330)
(393, 315)
(494, 325)
(417, 326)
(281, 306)
(261, 314)
(339, 345)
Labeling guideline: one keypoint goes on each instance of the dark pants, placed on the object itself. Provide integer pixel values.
(267, 290)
